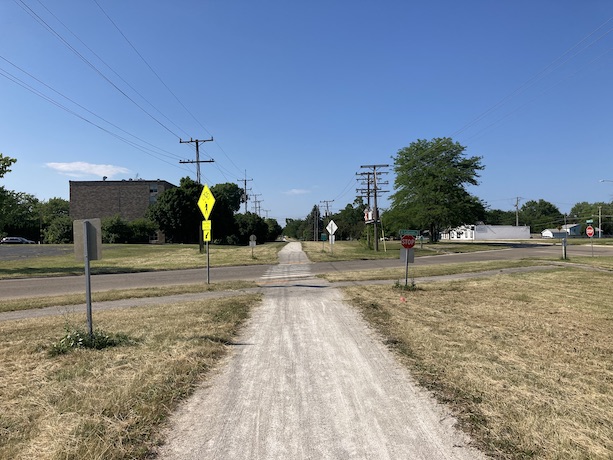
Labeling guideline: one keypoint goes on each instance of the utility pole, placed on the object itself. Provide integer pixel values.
(246, 195)
(327, 205)
(517, 211)
(256, 204)
(197, 162)
(365, 193)
(375, 189)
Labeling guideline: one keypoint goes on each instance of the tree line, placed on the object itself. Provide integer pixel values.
(175, 213)
(430, 194)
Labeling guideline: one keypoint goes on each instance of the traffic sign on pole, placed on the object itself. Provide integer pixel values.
(407, 241)
(589, 231)
(206, 202)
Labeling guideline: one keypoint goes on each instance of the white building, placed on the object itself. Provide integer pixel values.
(554, 233)
(483, 232)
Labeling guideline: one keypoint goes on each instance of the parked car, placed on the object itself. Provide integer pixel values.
(15, 240)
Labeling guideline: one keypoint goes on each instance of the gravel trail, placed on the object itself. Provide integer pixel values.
(308, 379)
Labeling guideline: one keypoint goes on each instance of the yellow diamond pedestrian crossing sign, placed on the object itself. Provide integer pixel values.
(206, 202)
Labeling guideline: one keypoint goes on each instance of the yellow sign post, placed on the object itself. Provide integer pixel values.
(206, 203)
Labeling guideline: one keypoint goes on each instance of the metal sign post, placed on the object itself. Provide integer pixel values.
(88, 243)
(332, 228)
(408, 241)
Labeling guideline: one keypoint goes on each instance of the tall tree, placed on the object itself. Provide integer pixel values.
(274, 229)
(55, 220)
(430, 185)
(249, 224)
(350, 220)
(227, 203)
(176, 212)
(540, 215)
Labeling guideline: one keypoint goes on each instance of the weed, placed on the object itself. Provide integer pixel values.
(79, 338)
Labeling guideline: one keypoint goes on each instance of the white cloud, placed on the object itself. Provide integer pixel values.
(80, 169)
(297, 191)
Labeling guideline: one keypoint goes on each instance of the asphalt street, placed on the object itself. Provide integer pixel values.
(16, 288)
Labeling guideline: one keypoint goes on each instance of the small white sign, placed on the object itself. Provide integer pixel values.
(332, 227)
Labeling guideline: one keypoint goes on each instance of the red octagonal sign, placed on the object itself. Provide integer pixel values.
(407, 241)
(589, 231)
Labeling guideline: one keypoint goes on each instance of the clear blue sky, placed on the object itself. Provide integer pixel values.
(299, 95)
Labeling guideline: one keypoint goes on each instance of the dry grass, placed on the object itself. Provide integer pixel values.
(525, 360)
(136, 293)
(418, 271)
(107, 404)
(128, 258)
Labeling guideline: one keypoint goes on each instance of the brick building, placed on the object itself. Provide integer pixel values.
(128, 199)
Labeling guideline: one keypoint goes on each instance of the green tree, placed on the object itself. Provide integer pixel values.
(59, 231)
(227, 203)
(499, 217)
(430, 185)
(274, 229)
(294, 228)
(115, 230)
(50, 211)
(313, 225)
(250, 224)
(600, 212)
(540, 215)
(5, 164)
(176, 212)
(350, 221)
(18, 214)
(141, 230)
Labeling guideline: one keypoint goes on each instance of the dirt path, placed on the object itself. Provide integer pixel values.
(308, 380)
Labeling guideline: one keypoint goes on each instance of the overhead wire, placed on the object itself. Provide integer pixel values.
(159, 78)
(35, 91)
(58, 36)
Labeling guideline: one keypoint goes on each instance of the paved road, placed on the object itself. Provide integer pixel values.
(307, 380)
(16, 288)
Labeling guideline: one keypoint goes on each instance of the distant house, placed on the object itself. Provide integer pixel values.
(481, 232)
(554, 233)
(567, 230)
(128, 199)
(572, 229)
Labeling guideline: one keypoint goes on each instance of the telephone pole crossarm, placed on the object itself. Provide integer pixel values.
(197, 161)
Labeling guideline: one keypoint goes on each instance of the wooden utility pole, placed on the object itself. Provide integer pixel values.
(246, 195)
(375, 189)
(197, 161)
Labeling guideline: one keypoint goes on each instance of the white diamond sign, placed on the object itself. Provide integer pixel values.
(331, 227)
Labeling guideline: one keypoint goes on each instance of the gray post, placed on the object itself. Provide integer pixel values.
(88, 290)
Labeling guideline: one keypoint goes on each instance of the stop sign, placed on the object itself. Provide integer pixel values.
(407, 241)
(589, 231)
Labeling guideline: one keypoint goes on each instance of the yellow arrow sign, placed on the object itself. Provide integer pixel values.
(206, 202)
(206, 230)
